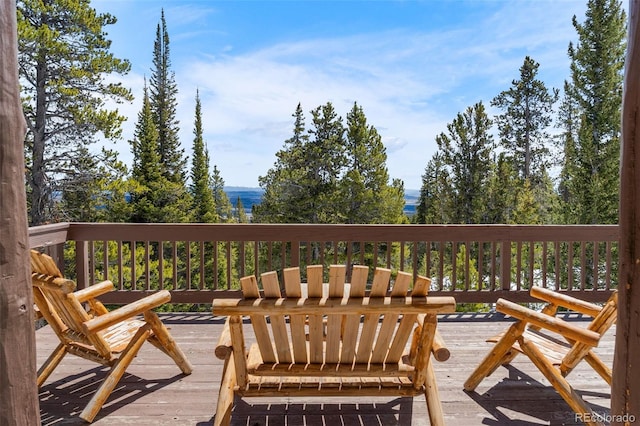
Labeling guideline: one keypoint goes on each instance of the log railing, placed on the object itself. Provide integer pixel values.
(473, 263)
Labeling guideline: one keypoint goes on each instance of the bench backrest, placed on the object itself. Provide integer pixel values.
(353, 336)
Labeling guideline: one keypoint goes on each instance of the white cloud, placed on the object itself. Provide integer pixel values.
(410, 82)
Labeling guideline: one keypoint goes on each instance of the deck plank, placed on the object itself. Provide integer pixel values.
(153, 392)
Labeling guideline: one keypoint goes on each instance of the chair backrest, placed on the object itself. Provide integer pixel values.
(346, 338)
(54, 297)
(601, 323)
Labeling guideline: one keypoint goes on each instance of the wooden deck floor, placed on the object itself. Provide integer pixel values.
(155, 393)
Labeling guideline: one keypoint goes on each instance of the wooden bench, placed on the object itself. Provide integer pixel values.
(331, 339)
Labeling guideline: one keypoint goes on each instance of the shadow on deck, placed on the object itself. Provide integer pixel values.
(153, 392)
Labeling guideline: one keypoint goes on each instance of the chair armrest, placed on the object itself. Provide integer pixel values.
(93, 291)
(565, 301)
(554, 324)
(438, 348)
(224, 346)
(125, 312)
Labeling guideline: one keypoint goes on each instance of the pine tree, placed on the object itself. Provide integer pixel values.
(323, 176)
(435, 200)
(146, 164)
(146, 155)
(523, 126)
(221, 200)
(325, 159)
(466, 150)
(163, 101)
(117, 192)
(241, 214)
(64, 57)
(526, 210)
(87, 186)
(365, 192)
(568, 123)
(502, 188)
(204, 207)
(156, 200)
(597, 63)
(283, 198)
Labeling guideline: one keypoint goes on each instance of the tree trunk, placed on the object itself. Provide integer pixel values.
(18, 391)
(625, 393)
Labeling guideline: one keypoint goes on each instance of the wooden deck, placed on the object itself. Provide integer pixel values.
(153, 392)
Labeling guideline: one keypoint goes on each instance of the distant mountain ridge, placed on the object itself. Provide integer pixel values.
(250, 196)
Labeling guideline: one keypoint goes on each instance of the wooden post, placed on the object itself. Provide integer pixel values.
(18, 391)
(625, 393)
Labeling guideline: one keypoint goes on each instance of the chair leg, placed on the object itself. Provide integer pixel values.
(51, 363)
(434, 405)
(116, 373)
(495, 357)
(226, 393)
(600, 367)
(168, 344)
(560, 384)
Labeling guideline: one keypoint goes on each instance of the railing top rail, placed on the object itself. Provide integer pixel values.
(48, 235)
(317, 232)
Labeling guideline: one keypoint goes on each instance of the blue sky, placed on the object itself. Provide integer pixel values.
(412, 66)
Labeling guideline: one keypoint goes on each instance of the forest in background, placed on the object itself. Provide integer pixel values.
(550, 156)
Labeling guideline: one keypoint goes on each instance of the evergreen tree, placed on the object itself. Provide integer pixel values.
(568, 122)
(325, 159)
(597, 63)
(284, 198)
(163, 101)
(87, 186)
(204, 207)
(365, 192)
(547, 200)
(502, 188)
(241, 214)
(324, 176)
(117, 193)
(156, 199)
(221, 200)
(146, 155)
(528, 108)
(146, 164)
(435, 200)
(466, 150)
(63, 58)
(526, 210)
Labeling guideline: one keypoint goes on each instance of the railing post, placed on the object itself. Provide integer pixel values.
(56, 252)
(295, 253)
(82, 264)
(505, 265)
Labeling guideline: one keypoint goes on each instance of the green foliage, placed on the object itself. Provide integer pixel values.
(64, 57)
(282, 201)
(523, 126)
(240, 214)
(163, 96)
(156, 199)
(466, 155)
(223, 207)
(364, 188)
(435, 201)
(592, 143)
(331, 174)
(204, 207)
